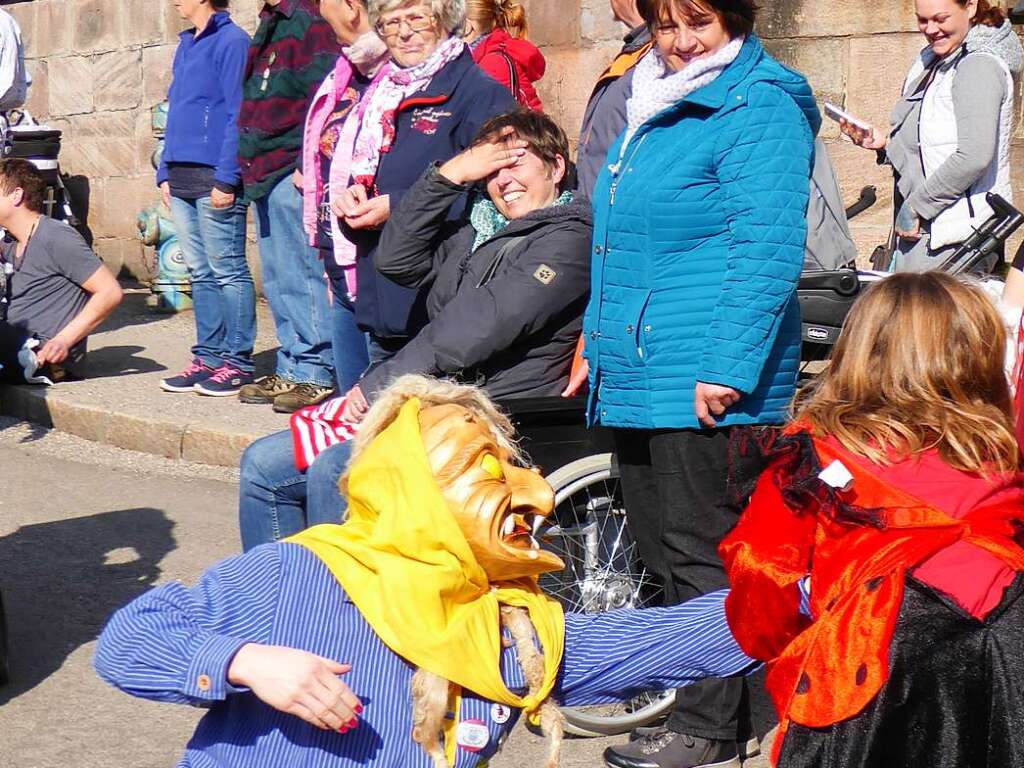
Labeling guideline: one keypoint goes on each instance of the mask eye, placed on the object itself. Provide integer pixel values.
(490, 464)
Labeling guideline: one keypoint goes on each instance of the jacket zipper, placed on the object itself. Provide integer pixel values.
(620, 166)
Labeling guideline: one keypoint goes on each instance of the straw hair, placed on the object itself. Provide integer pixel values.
(918, 366)
(429, 392)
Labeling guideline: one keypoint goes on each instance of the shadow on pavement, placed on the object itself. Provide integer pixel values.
(111, 362)
(133, 310)
(62, 580)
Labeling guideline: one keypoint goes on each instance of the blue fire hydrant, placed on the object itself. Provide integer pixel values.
(171, 288)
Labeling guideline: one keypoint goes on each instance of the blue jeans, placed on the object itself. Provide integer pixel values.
(276, 500)
(223, 294)
(294, 284)
(348, 342)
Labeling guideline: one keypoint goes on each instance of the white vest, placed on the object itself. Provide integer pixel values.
(938, 142)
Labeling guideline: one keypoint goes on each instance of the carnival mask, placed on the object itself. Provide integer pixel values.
(499, 506)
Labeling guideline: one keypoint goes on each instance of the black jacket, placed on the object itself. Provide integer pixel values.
(507, 316)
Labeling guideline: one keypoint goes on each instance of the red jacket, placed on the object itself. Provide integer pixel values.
(857, 545)
(499, 54)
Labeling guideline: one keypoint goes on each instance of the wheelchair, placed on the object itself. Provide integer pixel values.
(588, 530)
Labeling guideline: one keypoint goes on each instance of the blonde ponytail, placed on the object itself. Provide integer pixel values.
(506, 15)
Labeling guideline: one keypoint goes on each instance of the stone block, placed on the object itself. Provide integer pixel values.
(156, 73)
(38, 102)
(597, 24)
(822, 61)
(246, 16)
(173, 23)
(877, 68)
(145, 141)
(54, 27)
(839, 18)
(70, 86)
(116, 79)
(143, 22)
(98, 25)
(26, 14)
(553, 23)
(566, 87)
(102, 145)
(127, 257)
(209, 446)
(116, 202)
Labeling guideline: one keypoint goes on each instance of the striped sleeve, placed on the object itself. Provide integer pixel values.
(175, 644)
(615, 655)
(317, 428)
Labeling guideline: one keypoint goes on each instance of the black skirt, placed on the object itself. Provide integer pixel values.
(954, 697)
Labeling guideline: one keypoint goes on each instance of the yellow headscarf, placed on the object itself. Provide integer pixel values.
(406, 565)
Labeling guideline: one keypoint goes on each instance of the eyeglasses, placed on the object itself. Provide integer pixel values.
(416, 22)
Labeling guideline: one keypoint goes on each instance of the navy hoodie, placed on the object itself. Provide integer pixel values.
(432, 125)
(204, 98)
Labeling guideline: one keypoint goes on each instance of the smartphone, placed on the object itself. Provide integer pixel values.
(837, 114)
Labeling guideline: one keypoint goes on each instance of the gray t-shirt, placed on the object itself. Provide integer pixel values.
(45, 290)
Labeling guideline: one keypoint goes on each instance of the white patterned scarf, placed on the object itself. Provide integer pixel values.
(656, 87)
(377, 117)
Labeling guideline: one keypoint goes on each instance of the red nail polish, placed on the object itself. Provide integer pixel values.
(354, 723)
(359, 709)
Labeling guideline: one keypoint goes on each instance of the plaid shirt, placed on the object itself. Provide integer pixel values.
(291, 54)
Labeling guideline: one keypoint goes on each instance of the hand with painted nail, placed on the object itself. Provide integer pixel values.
(297, 683)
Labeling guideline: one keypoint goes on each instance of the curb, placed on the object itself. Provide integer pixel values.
(161, 437)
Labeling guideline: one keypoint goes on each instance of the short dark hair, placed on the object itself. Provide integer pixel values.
(738, 16)
(543, 136)
(219, 5)
(16, 173)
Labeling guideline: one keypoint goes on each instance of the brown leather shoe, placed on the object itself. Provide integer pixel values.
(301, 396)
(266, 390)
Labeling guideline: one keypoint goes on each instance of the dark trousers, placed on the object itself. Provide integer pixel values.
(674, 485)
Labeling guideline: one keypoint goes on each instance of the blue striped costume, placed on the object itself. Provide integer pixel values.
(159, 647)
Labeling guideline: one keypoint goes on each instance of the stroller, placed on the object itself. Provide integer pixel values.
(826, 295)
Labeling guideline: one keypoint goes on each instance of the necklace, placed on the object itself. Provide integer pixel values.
(23, 247)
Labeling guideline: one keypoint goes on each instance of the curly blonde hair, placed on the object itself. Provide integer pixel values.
(449, 13)
(919, 366)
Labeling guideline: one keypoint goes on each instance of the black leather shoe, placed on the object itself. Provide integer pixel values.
(666, 749)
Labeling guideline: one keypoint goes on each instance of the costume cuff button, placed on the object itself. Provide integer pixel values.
(203, 683)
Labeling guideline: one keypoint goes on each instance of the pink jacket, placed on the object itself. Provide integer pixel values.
(326, 98)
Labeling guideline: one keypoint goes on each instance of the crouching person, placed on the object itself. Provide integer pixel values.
(509, 283)
(347, 645)
(56, 290)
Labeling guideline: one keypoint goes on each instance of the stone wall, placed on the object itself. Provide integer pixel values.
(100, 65)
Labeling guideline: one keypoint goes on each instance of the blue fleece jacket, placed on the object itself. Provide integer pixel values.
(204, 98)
(699, 237)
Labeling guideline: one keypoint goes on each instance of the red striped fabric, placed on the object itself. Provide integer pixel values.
(317, 428)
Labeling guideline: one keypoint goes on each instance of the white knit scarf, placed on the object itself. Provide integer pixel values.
(377, 118)
(656, 87)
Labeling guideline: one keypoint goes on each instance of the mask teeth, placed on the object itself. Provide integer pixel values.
(508, 526)
(533, 543)
(538, 521)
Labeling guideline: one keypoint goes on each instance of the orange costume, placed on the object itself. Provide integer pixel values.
(858, 545)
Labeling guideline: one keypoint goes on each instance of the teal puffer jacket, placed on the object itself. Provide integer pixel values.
(699, 237)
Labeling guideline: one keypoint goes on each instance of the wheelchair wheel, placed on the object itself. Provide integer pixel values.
(603, 573)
